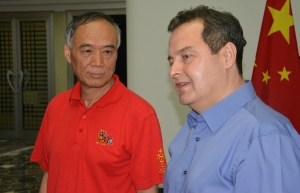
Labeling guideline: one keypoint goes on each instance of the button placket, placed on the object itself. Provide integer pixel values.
(78, 139)
(83, 117)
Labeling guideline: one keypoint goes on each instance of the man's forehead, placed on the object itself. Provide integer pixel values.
(86, 32)
(98, 23)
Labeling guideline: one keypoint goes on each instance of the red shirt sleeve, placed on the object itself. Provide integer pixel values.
(148, 162)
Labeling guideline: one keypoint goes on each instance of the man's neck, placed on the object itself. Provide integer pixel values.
(90, 95)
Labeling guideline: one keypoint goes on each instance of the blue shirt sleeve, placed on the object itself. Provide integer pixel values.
(270, 166)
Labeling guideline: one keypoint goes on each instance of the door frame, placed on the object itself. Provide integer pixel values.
(15, 18)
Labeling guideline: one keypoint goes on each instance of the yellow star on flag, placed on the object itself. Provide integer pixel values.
(266, 77)
(282, 21)
(284, 74)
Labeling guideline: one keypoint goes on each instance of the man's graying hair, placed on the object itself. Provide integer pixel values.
(219, 29)
(87, 18)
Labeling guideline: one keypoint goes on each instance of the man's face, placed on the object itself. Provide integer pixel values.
(197, 73)
(94, 54)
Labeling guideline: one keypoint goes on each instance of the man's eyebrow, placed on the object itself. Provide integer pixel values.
(90, 45)
(186, 48)
(182, 50)
(110, 46)
(84, 45)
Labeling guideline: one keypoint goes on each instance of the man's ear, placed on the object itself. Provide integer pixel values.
(67, 53)
(230, 54)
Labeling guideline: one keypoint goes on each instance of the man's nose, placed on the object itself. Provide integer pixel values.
(175, 70)
(97, 58)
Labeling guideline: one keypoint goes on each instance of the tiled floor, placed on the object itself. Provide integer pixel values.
(17, 174)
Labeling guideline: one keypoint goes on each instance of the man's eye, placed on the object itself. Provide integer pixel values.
(107, 52)
(186, 56)
(87, 51)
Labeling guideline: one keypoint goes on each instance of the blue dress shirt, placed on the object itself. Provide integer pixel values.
(239, 145)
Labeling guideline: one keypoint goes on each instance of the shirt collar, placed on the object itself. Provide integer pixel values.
(194, 118)
(112, 95)
(218, 114)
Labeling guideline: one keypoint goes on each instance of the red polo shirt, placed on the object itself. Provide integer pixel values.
(114, 146)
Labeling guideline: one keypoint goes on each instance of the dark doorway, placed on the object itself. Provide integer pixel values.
(121, 67)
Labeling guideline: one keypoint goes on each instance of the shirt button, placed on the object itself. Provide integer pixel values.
(80, 130)
(83, 116)
(197, 139)
(184, 172)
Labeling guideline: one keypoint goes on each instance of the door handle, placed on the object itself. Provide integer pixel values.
(8, 73)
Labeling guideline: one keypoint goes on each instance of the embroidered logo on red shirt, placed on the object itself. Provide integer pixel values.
(162, 164)
(104, 139)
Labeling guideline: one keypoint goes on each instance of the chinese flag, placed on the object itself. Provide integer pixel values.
(276, 72)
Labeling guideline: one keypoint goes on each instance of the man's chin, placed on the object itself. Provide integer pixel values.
(183, 102)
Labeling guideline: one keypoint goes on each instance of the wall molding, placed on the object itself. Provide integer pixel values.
(58, 5)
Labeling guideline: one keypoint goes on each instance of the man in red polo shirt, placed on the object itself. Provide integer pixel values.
(98, 136)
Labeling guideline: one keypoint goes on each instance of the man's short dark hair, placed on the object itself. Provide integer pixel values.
(87, 18)
(219, 29)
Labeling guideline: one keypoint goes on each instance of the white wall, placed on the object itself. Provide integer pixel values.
(147, 41)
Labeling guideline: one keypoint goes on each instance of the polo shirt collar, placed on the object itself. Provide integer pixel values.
(218, 114)
(111, 96)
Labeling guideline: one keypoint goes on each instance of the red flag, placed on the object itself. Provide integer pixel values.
(276, 72)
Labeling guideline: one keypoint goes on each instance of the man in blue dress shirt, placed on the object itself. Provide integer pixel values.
(232, 141)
